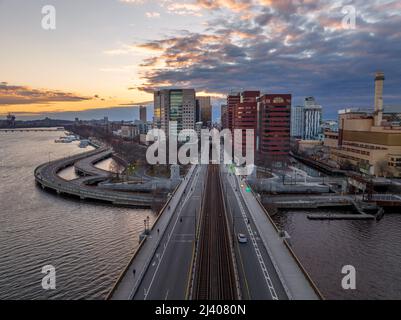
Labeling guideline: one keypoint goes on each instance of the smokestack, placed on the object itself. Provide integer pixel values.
(378, 114)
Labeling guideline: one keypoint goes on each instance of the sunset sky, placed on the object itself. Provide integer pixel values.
(113, 53)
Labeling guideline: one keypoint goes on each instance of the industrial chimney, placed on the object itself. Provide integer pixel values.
(378, 114)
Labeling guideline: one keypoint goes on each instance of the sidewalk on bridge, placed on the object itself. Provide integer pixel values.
(127, 284)
(294, 280)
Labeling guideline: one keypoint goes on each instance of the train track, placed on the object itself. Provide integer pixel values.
(214, 268)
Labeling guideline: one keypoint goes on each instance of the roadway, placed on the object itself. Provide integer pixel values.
(296, 281)
(258, 277)
(47, 176)
(167, 276)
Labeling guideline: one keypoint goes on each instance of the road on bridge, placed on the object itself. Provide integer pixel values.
(167, 276)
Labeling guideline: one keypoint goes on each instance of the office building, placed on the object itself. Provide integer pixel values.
(312, 119)
(245, 116)
(274, 126)
(306, 120)
(143, 114)
(205, 109)
(177, 105)
(297, 122)
(232, 99)
(224, 116)
(197, 111)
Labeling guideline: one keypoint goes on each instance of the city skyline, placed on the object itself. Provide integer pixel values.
(116, 57)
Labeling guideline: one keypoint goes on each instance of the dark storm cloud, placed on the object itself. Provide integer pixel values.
(298, 47)
(12, 95)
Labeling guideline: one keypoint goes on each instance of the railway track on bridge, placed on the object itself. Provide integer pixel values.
(214, 266)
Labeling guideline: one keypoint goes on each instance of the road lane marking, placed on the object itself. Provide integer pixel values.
(257, 251)
(170, 234)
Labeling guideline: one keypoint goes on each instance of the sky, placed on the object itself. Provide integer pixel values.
(111, 54)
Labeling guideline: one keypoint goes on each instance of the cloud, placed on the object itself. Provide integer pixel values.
(152, 15)
(12, 95)
(295, 46)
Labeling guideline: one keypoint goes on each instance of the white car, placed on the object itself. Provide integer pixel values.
(242, 238)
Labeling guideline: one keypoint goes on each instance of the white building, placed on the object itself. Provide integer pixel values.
(313, 118)
(306, 120)
(297, 122)
(129, 131)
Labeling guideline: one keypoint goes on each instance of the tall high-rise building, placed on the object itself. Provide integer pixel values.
(205, 107)
(249, 96)
(297, 122)
(224, 116)
(274, 123)
(197, 112)
(306, 120)
(245, 115)
(313, 118)
(143, 113)
(176, 105)
(232, 99)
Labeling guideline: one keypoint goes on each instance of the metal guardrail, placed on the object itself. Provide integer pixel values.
(59, 184)
(95, 195)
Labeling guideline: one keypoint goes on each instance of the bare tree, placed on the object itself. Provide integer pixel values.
(116, 167)
(383, 168)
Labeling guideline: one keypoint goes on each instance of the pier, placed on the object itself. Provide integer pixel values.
(363, 210)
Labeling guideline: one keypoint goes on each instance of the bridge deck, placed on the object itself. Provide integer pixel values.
(46, 175)
(290, 271)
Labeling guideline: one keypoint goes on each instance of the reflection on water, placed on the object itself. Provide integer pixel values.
(373, 248)
(89, 244)
(68, 174)
(109, 165)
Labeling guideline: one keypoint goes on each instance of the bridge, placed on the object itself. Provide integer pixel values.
(47, 177)
(31, 130)
(193, 252)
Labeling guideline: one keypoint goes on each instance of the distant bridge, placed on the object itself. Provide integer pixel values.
(32, 130)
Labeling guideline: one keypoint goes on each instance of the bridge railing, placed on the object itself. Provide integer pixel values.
(292, 253)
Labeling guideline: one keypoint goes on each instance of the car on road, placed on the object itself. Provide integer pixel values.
(242, 238)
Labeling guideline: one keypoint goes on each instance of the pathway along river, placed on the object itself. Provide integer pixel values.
(89, 244)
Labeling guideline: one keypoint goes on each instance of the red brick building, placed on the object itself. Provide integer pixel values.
(245, 115)
(274, 123)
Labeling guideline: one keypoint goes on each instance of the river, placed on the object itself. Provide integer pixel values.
(88, 244)
(324, 247)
